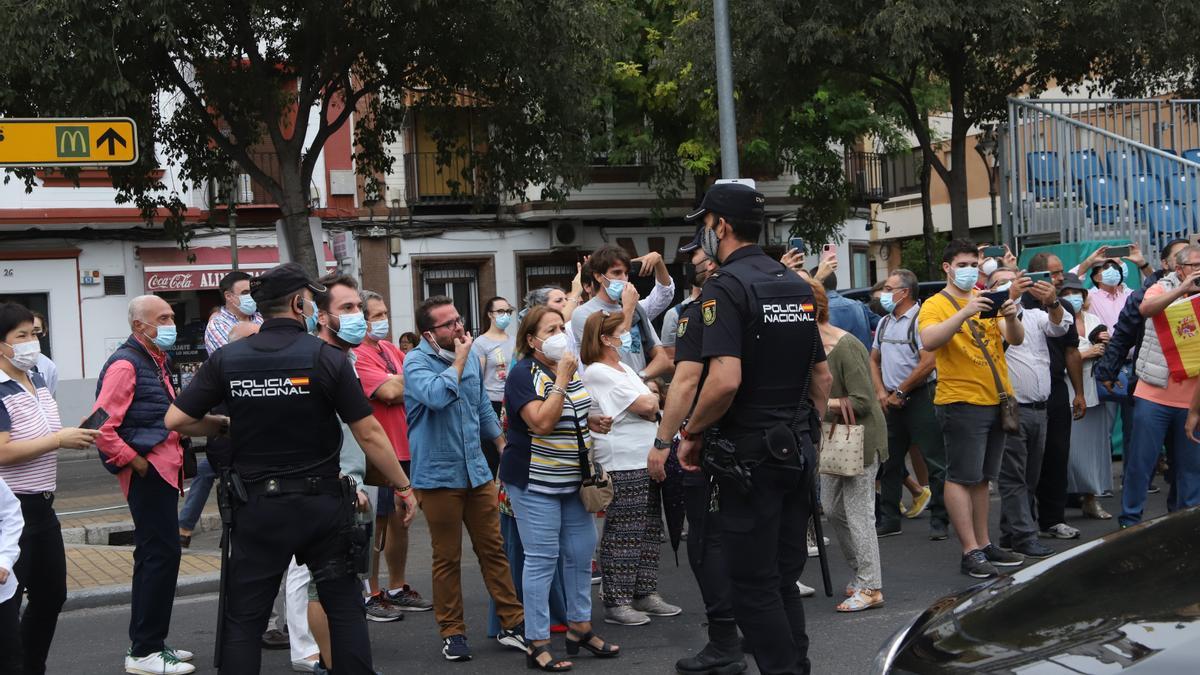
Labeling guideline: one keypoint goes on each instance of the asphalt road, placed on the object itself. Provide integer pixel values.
(916, 572)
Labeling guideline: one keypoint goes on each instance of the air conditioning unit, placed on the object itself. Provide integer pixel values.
(566, 234)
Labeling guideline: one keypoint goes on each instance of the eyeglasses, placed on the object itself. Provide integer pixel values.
(505, 312)
(456, 321)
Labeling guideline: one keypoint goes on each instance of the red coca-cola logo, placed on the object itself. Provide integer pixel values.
(169, 282)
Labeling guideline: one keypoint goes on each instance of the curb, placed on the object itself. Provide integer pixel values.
(103, 533)
(105, 596)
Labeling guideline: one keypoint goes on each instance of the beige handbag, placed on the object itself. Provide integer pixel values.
(842, 445)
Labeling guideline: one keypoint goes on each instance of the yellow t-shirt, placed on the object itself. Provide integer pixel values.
(963, 375)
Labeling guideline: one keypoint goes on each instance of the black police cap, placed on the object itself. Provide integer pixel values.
(732, 200)
(694, 243)
(281, 280)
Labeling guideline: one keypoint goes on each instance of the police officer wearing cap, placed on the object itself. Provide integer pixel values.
(755, 421)
(285, 390)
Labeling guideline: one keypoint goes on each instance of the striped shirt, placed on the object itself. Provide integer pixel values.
(554, 458)
(25, 417)
(216, 335)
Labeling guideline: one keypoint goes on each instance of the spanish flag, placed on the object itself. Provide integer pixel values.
(1178, 328)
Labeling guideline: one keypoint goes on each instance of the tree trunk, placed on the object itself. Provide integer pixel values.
(960, 219)
(927, 221)
(293, 202)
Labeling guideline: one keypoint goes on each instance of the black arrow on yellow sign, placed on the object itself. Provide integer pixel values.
(112, 138)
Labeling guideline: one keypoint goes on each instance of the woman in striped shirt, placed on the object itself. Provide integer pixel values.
(30, 436)
(547, 416)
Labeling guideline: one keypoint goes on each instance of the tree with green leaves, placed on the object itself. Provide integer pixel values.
(662, 112)
(209, 81)
(980, 52)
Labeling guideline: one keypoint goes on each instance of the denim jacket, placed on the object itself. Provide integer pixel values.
(447, 417)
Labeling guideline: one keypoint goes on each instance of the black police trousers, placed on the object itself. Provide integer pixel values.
(767, 528)
(267, 532)
(706, 556)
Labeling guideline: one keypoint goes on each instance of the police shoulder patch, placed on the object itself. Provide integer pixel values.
(709, 311)
(679, 332)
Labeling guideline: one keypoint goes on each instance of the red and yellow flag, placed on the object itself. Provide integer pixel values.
(1178, 328)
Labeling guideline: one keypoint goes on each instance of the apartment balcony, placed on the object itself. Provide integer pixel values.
(875, 177)
(439, 181)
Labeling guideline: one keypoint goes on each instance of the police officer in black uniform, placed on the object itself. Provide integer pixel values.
(723, 653)
(285, 390)
(756, 420)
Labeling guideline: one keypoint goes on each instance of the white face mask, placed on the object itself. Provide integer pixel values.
(25, 355)
(555, 347)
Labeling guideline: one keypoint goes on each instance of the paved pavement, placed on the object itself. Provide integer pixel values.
(916, 572)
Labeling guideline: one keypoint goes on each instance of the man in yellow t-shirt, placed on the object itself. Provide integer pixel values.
(967, 400)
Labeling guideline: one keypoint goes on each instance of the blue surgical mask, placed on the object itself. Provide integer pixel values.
(310, 320)
(626, 342)
(503, 320)
(379, 329)
(887, 300)
(614, 289)
(965, 277)
(1110, 276)
(1075, 301)
(352, 328)
(165, 337)
(246, 304)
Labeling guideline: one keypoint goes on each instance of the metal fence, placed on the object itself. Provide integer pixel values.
(1103, 169)
(433, 179)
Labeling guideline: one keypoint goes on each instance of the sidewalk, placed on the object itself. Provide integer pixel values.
(99, 576)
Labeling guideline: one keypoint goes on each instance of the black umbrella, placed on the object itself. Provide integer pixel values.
(673, 508)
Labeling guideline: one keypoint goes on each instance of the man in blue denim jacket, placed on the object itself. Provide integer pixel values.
(448, 413)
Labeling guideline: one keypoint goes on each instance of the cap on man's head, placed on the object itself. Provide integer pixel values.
(281, 280)
(694, 243)
(732, 200)
(1071, 282)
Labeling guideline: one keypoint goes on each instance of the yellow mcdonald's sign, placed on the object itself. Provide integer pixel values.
(86, 141)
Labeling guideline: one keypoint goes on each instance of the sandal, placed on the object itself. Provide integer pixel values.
(1092, 509)
(862, 600)
(604, 651)
(551, 666)
(850, 590)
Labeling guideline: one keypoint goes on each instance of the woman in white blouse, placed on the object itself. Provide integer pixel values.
(632, 537)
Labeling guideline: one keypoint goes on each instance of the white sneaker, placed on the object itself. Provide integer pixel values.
(805, 590)
(162, 663)
(181, 654)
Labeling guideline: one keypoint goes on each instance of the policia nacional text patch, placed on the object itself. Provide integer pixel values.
(709, 311)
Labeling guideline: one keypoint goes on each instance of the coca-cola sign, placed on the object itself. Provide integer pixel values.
(179, 281)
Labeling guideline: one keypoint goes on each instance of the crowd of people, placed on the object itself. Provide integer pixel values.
(552, 436)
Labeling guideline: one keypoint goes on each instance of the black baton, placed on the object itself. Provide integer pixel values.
(819, 536)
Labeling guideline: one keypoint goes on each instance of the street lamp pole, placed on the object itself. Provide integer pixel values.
(231, 212)
(725, 111)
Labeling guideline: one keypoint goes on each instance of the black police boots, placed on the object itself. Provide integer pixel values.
(721, 656)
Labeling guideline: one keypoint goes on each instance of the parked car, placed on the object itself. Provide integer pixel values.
(1128, 602)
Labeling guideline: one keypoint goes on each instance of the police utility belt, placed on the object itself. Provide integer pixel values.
(310, 485)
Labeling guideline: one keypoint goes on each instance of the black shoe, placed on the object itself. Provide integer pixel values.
(1005, 542)
(975, 564)
(455, 648)
(275, 639)
(1001, 558)
(513, 637)
(937, 531)
(712, 660)
(1034, 549)
(883, 531)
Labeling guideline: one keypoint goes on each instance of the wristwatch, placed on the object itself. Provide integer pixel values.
(660, 444)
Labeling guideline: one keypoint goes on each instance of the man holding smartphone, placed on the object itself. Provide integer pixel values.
(970, 360)
(1043, 318)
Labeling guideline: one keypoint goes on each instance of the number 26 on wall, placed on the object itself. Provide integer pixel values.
(8, 272)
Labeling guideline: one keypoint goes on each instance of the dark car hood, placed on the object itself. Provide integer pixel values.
(1129, 602)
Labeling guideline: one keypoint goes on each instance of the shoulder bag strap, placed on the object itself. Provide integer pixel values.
(979, 343)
